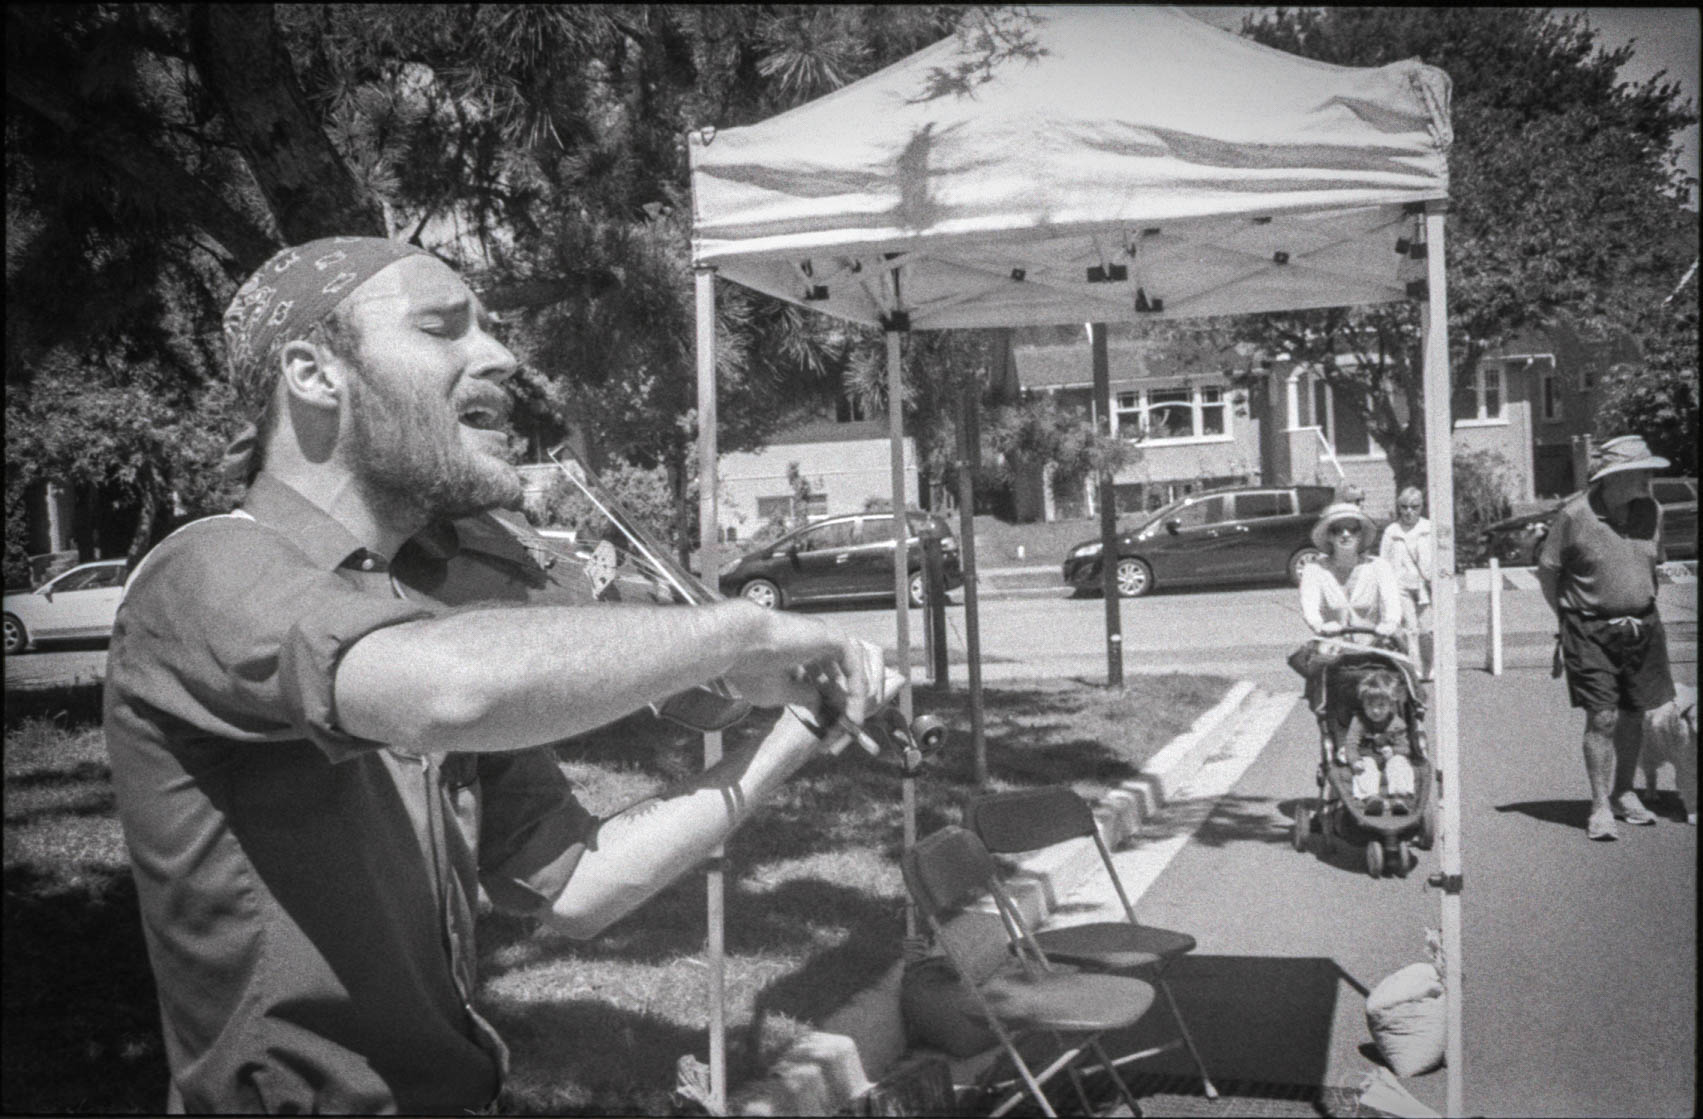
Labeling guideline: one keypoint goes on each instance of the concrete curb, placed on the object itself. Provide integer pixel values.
(826, 1071)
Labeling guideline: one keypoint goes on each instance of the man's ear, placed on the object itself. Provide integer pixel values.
(312, 375)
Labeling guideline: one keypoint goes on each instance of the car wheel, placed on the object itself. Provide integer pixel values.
(919, 589)
(17, 638)
(1134, 577)
(1300, 560)
(763, 593)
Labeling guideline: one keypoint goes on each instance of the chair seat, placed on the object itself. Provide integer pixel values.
(1075, 1002)
(1113, 945)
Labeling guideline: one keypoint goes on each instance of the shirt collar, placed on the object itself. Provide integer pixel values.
(325, 540)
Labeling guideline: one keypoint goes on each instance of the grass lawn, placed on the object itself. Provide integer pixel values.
(815, 907)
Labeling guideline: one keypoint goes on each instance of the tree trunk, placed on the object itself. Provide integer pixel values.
(156, 177)
(310, 189)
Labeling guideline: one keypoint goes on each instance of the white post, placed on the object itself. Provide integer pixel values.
(1446, 746)
(901, 580)
(1493, 654)
(709, 536)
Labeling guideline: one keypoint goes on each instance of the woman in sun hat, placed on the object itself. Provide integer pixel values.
(1348, 587)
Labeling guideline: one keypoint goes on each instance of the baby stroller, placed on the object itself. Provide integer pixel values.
(1388, 826)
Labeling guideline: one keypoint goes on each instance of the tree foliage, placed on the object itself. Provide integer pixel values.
(1565, 200)
(157, 153)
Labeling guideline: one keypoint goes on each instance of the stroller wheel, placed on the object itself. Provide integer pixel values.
(1406, 860)
(1302, 828)
(1428, 828)
(1375, 858)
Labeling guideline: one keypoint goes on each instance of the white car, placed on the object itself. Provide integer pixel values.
(79, 604)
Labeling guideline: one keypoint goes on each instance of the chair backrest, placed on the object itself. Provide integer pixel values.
(947, 871)
(1028, 819)
(950, 870)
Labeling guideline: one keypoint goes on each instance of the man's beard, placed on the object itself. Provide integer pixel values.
(409, 461)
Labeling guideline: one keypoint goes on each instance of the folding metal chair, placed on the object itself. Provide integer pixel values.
(1029, 819)
(950, 870)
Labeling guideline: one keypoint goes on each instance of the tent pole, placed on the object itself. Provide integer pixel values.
(969, 457)
(901, 581)
(1446, 750)
(1108, 515)
(709, 536)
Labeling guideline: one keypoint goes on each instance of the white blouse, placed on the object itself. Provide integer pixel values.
(1369, 596)
(1412, 553)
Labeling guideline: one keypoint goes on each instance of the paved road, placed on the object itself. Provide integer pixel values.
(1243, 633)
(1579, 958)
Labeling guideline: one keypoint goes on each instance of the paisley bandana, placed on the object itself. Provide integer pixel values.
(281, 302)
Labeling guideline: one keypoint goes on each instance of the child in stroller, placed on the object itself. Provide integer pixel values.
(1368, 709)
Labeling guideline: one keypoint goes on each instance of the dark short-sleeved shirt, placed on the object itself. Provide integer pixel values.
(308, 896)
(1605, 567)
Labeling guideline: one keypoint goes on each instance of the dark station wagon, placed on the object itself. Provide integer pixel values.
(1245, 534)
(839, 558)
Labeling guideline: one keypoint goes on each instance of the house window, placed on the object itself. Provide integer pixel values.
(1480, 402)
(1550, 386)
(1174, 414)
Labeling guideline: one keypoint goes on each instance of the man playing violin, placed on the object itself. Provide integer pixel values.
(329, 711)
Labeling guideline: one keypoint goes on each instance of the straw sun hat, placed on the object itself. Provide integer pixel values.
(1626, 452)
(1343, 511)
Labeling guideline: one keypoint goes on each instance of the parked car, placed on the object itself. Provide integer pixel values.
(1515, 541)
(81, 603)
(1242, 534)
(844, 557)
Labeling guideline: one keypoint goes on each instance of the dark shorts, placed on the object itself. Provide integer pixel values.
(1616, 662)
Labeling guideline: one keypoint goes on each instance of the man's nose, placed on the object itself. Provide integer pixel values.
(492, 361)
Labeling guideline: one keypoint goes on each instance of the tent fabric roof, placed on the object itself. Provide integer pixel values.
(1221, 176)
(1130, 361)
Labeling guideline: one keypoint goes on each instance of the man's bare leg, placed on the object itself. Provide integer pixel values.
(1600, 766)
(1628, 743)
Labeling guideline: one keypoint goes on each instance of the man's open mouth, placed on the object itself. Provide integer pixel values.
(485, 417)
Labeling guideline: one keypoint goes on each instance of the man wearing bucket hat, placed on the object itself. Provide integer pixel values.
(323, 758)
(1597, 568)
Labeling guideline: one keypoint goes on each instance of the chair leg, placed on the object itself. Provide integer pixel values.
(1075, 1077)
(1188, 1039)
(1118, 1080)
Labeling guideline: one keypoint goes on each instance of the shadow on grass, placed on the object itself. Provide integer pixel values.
(81, 1023)
(71, 704)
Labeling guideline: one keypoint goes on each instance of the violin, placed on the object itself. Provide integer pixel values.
(628, 554)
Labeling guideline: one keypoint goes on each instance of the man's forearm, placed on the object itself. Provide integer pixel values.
(644, 848)
(503, 678)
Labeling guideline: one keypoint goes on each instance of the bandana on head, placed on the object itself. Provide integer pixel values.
(281, 302)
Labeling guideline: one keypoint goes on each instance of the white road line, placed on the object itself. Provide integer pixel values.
(1141, 865)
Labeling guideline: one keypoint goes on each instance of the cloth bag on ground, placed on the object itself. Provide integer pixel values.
(1407, 1016)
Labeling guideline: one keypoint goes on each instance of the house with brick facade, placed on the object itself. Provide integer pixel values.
(1531, 403)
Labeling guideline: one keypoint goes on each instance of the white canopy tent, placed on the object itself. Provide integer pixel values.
(1137, 164)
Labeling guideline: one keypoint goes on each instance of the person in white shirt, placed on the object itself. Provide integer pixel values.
(1351, 590)
(1410, 550)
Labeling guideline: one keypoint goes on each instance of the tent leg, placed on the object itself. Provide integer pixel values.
(901, 580)
(1440, 482)
(709, 536)
(1108, 516)
(969, 455)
